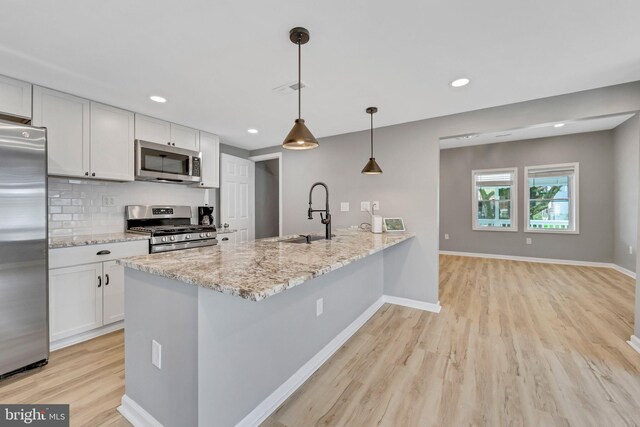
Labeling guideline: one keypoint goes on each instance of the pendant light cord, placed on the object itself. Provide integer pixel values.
(299, 77)
(371, 135)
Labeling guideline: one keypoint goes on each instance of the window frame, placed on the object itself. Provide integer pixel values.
(514, 200)
(574, 199)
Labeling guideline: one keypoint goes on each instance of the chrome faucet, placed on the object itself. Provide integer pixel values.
(325, 220)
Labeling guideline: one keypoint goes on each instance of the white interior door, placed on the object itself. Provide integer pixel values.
(237, 195)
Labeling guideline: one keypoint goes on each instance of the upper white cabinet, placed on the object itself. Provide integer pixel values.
(66, 118)
(184, 137)
(15, 97)
(85, 139)
(112, 135)
(210, 166)
(153, 130)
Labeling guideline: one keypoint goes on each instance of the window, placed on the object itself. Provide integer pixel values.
(552, 198)
(495, 200)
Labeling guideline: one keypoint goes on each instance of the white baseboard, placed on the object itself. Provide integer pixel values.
(275, 399)
(135, 414)
(85, 336)
(624, 271)
(420, 305)
(543, 261)
(634, 342)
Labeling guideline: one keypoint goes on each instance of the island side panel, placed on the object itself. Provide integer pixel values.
(166, 311)
(248, 349)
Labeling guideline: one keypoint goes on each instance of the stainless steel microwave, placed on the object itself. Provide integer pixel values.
(161, 163)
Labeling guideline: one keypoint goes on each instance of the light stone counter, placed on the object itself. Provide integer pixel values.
(260, 269)
(93, 239)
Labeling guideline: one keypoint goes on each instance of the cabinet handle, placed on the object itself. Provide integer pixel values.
(224, 239)
(93, 174)
(106, 279)
(103, 252)
(173, 143)
(99, 281)
(86, 174)
(168, 143)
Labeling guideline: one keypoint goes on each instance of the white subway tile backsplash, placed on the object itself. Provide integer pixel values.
(75, 205)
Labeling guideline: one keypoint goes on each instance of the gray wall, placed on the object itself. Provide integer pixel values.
(626, 139)
(594, 152)
(267, 198)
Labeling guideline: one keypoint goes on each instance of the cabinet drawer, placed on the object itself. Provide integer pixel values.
(78, 255)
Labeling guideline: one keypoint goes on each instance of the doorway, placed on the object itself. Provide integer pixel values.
(237, 193)
(268, 195)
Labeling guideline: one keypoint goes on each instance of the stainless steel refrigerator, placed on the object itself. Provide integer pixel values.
(24, 329)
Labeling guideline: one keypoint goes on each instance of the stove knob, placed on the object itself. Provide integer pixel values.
(164, 239)
(188, 236)
(202, 235)
(173, 237)
(208, 234)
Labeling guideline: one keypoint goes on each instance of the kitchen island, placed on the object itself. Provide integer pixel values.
(241, 326)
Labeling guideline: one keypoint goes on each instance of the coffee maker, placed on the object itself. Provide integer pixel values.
(205, 215)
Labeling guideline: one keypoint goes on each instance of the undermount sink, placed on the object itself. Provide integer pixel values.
(305, 239)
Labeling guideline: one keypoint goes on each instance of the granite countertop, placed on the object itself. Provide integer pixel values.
(93, 239)
(266, 267)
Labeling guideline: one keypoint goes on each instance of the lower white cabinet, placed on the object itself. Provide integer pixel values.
(75, 300)
(88, 295)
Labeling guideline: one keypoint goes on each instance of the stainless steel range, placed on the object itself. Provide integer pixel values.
(170, 227)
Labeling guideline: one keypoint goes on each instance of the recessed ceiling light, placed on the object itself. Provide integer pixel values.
(460, 82)
(469, 136)
(252, 130)
(558, 125)
(156, 98)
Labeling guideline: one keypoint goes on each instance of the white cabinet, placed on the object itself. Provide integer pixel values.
(153, 130)
(113, 292)
(75, 300)
(227, 238)
(210, 149)
(112, 148)
(85, 139)
(66, 118)
(15, 97)
(184, 137)
(86, 289)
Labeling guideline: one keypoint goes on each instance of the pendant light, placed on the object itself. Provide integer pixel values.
(372, 168)
(300, 137)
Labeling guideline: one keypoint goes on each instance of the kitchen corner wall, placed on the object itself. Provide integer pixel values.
(626, 145)
(78, 206)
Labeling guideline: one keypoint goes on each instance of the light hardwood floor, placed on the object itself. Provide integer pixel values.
(515, 344)
(88, 376)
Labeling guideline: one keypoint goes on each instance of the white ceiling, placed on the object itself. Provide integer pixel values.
(217, 61)
(542, 130)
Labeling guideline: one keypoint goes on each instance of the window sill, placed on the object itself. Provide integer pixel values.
(501, 229)
(551, 231)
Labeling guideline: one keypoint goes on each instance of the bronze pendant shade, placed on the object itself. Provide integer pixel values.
(300, 137)
(372, 167)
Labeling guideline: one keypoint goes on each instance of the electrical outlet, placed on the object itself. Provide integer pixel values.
(446, 237)
(630, 250)
(365, 206)
(108, 200)
(529, 240)
(376, 205)
(319, 306)
(156, 354)
(344, 206)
